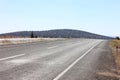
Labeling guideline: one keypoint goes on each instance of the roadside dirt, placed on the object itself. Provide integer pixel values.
(107, 71)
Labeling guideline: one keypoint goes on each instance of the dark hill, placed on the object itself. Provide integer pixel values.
(59, 33)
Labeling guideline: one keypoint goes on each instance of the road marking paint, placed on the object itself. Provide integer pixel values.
(19, 61)
(68, 68)
(11, 57)
(52, 47)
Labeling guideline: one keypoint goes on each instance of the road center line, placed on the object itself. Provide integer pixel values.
(68, 68)
(11, 57)
(52, 47)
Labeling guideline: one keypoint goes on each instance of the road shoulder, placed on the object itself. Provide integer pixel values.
(106, 66)
(98, 61)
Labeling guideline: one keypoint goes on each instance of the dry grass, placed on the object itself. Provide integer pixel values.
(114, 44)
(5, 41)
(112, 72)
(109, 74)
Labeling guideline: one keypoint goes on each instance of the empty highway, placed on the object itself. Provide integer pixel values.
(68, 59)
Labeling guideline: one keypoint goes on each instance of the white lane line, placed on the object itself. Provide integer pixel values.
(11, 57)
(52, 47)
(62, 73)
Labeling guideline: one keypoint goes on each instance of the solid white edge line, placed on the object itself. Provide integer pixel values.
(11, 57)
(62, 73)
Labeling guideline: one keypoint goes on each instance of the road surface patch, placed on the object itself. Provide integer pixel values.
(52, 47)
(19, 61)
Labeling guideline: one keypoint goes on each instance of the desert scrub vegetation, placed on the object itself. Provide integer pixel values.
(5, 41)
(115, 46)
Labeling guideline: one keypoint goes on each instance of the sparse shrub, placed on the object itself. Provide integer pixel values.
(36, 36)
(32, 35)
(117, 38)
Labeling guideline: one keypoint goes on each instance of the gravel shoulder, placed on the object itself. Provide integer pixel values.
(106, 65)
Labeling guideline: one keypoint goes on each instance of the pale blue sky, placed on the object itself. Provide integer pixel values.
(97, 16)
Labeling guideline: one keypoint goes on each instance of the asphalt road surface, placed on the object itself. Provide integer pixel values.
(69, 59)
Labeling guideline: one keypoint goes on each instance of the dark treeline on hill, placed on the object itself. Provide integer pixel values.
(59, 33)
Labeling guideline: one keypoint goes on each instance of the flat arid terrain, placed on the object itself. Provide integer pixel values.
(61, 59)
(5, 41)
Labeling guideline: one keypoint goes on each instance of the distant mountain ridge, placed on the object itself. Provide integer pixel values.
(58, 33)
